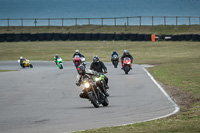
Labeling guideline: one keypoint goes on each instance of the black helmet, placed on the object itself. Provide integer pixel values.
(81, 70)
(114, 51)
(96, 59)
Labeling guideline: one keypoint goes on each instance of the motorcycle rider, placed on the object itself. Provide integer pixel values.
(55, 58)
(21, 61)
(86, 73)
(99, 66)
(126, 54)
(78, 53)
(114, 53)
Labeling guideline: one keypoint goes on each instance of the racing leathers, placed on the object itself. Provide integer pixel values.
(99, 67)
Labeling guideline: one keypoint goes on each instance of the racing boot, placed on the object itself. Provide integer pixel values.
(84, 95)
(106, 93)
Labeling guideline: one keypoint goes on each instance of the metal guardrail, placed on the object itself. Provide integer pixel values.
(137, 20)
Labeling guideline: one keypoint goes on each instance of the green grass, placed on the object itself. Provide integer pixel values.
(7, 70)
(159, 29)
(177, 66)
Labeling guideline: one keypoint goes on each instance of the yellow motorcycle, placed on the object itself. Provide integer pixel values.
(25, 63)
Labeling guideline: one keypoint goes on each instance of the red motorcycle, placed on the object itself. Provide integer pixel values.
(77, 60)
(126, 65)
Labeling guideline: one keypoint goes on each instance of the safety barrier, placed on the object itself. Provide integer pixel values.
(11, 37)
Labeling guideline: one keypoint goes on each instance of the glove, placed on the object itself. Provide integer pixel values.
(95, 73)
(105, 71)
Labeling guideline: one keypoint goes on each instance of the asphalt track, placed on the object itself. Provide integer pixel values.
(44, 99)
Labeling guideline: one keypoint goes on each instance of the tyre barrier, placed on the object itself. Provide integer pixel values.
(17, 37)
(33, 37)
(72, 36)
(48, 36)
(181, 37)
(174, 37)
(102, 37)
(87, 36)
(198, 37)
(188, 37)
(79, 36)
(110, 37)
(41, 37)
(11, 37)
(118, 37)
(133, 37)
(125, 37)
(194, 37)
(147, 37)
(57, 36)
(95, 36)
(167, 37)
(25, 37)
(2, 38)
(140, 37)
(64, 36)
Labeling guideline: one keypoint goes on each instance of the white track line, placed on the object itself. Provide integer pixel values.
(176, 107)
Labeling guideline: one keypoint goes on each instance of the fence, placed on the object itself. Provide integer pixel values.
(135, 21)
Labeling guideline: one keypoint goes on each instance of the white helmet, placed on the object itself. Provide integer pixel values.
(21, 57)
(77, 51)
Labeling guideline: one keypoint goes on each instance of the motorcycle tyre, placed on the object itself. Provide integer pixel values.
(76, 64)
(31, 66)
(126, 70)
(106, 102)
(94, 101)
(61, 66)
(23, 66)
(115, 63)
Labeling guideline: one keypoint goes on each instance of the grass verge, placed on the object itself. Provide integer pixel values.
(177, 68)
(159, 29)
(7, 70)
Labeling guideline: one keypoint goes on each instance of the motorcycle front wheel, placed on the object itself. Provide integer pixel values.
(61, 66)
(93, 100)
(126, 69)
(31, 66)
(76, 64)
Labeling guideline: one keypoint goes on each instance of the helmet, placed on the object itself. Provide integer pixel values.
(126, 52)
(81, 70)
(77, 51)
(21, 57)
(95, 59)
(114, 51)
(57, 56)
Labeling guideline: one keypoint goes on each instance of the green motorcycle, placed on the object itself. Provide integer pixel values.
(60, 63)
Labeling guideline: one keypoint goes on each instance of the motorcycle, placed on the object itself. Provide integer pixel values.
(94, 92)
(60, 63)
(126, 65)
(78, 60)
(25, 63)
(115, 60)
